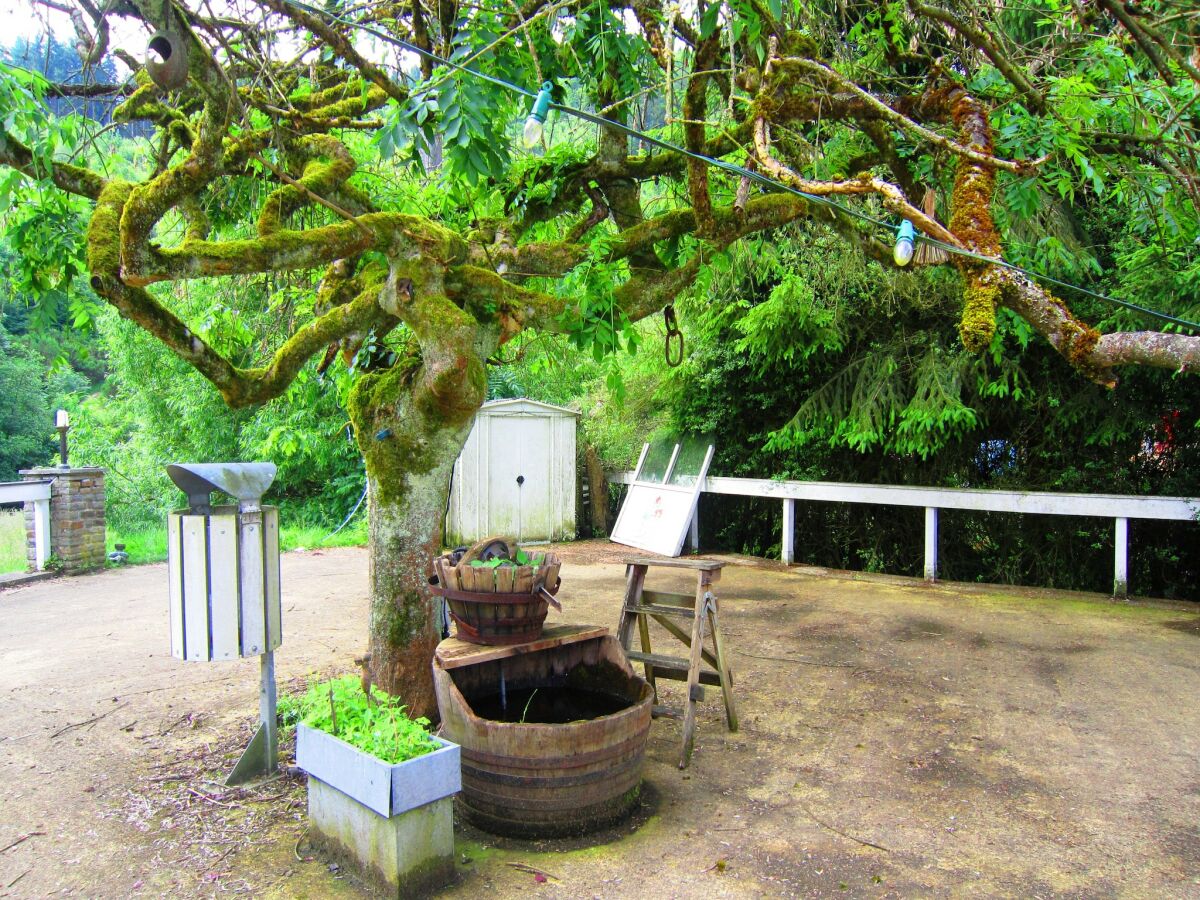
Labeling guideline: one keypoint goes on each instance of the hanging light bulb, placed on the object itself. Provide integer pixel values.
(905, 240)
(537, 117)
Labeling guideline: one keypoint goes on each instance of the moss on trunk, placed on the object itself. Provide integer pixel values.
(409, 455)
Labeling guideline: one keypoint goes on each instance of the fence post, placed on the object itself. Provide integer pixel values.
(931, 543)
(41, 533)
(788, 553)
(1121, 560)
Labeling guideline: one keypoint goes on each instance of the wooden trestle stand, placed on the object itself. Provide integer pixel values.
(641, 605)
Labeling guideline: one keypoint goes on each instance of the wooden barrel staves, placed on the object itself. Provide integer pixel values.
(505, 604)
(529, 778)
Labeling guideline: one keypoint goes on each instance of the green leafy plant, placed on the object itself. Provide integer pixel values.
(521, 559)
(376, 724)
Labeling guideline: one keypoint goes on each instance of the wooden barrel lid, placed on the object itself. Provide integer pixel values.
(453, 653)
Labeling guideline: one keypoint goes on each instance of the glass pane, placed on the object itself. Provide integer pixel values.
(658, 457)
(690, 461)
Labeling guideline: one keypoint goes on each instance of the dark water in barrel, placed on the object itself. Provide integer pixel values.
(548, 705)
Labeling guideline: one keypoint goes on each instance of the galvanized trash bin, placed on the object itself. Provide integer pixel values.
(223, 570)
(224, 564)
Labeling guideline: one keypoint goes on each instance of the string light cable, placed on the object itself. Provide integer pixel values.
(731, 168)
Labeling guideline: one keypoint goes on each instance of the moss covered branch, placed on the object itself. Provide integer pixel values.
(881, 110)
(327, 164)
(72, 179)
(351, 320)
(893, 198)
(695, 108)
(1079, 343)
(238, 387)
(286, 250)
(341, 45)
(973, 224)
(983, 38)
(511, 307)
(147, 203)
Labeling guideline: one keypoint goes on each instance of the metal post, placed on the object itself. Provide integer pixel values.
(1121, 561)
(267, 702)
(41, 533)
(931, 543)
(694, 531)
(788, 553)
(261, 758)
(62, 447)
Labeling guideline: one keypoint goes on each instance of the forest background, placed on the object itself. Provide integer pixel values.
(803, 360)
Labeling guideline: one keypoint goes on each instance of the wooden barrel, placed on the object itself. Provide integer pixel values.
(539, 779)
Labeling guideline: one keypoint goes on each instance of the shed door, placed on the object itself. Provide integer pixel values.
(519, 483)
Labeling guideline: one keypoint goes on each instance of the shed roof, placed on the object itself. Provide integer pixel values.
(525, 405)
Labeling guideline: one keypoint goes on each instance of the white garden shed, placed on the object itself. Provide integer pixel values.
(516, 475)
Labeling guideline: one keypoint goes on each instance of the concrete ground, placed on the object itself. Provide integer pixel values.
(897, 740)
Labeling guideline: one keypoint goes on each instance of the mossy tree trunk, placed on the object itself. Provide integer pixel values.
(410, 444)
(405, 535)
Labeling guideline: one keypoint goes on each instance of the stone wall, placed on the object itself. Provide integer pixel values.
(76, 517)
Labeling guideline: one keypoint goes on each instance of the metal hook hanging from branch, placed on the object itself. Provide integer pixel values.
(672, 332)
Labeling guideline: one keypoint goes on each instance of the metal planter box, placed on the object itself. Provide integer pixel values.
(388, 789)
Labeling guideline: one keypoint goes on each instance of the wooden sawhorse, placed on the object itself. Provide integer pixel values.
(641, 605)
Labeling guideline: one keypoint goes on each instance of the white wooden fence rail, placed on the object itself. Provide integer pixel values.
(39, 493)
(1118, 507)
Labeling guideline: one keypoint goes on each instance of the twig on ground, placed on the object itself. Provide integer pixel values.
(204, 796)
(165, 765)
(523, 867)
(802, 662)
(22, 839)
(18, 878)
(269, 798)
(171, 687)
(174, 725)
(223, 855)
(296, 849)
(91, 721)
(836, 830)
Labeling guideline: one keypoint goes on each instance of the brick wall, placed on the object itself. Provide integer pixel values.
(76, 517)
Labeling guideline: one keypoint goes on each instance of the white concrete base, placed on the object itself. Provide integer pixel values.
(410, 855)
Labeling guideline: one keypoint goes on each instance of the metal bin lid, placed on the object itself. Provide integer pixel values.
(246, 481)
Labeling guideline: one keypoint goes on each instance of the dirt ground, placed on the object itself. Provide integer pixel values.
(897, 740)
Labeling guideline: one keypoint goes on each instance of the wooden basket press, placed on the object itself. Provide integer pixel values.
(501, 605)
